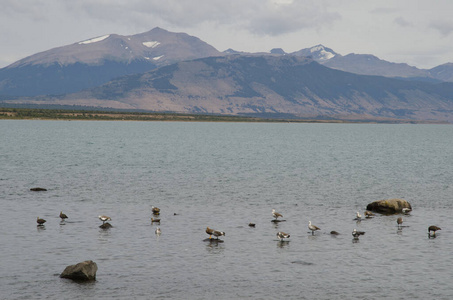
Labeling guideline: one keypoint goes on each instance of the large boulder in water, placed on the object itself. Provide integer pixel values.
(84, 271)
(389, 206)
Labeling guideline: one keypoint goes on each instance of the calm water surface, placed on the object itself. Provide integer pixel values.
(224, 175)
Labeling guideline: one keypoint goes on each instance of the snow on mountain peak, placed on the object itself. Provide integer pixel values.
(151, 44)
(94, 40)
(323, 54)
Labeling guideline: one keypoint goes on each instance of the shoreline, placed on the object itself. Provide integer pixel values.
(91, 115)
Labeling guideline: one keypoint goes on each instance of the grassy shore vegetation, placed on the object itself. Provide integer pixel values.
(63, 114)
(76, 114)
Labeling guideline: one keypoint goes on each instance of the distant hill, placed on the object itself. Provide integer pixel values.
(259, 85)
(96, 61)
(443, 72)
(365, 64)
(371, 65)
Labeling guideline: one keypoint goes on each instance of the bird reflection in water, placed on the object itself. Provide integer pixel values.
(282, 244)
(41, 227)
(214, 247)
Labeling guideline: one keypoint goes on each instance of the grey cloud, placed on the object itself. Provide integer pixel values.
(384, 10)
(256, 16)
(34, 10)
(444, 28)
(290, 18)
(402, 22)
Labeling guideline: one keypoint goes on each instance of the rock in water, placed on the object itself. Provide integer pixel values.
(389, 206)
(106, 226)
(84, 271)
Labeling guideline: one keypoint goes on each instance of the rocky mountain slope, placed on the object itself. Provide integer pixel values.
(269, 85)
(164, 71)
(95, 61)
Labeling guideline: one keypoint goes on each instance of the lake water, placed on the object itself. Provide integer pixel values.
(224, 175)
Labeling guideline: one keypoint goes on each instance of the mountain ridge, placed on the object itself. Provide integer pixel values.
(95, 61)
(253, 85)
(143, 71)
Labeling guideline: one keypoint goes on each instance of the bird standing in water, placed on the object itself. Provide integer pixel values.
(104, 219)
(155, 210)
(399, 221)
(356, 234)
(276, 214)
(313, 228)
(63, 216)
(281, 235)
(40, 221)
(213, 232)
(433, 228)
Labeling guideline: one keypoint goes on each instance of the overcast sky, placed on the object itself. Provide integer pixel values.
(417, 32)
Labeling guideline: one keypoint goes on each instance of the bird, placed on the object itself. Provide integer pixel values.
(276, 214)
(63, 216)
(40, 221)
(158, 231)
(368, 214)
(209, 231)
(406, 210)
(104, 218)
(212, 232)
(313, 228)
(281, 235)
(356, 233)
(155, 210)
(433, 228)
(217, 233)
(155, 220)
(358, 216)
(399, 221)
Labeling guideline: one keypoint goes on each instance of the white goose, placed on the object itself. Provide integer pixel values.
(313, 228)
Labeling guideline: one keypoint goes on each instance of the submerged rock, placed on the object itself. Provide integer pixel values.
(84, 271)
(389, 206)
(214, 241)
(106, 225)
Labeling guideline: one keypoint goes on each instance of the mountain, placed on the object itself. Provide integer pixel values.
(443, 72)
(364, 64)
(319, 53)
(266, 85)
(164, 71)
(96, 61)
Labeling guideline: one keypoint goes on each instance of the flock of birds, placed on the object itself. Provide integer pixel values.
(355, 233)
(280, 235)
(283, 235)
(104, 219)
